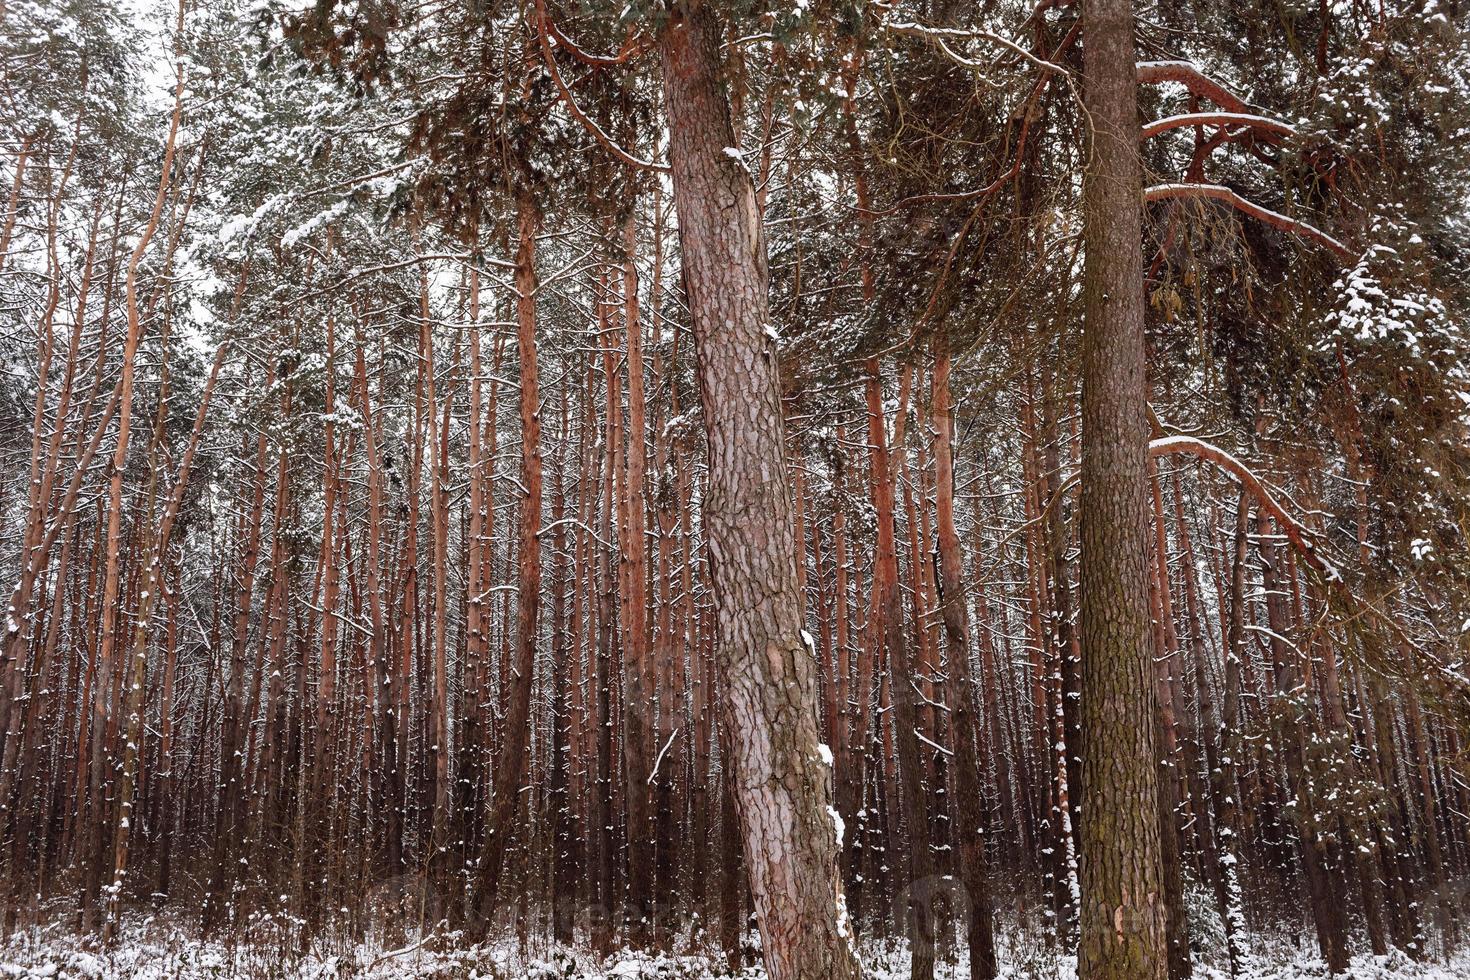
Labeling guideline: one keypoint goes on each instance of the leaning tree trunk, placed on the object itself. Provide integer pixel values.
(1122, 914)
(783, 786)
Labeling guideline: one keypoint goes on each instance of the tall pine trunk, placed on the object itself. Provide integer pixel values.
(783, 788)
(969, 809)
(511, 765)
(1122, 914)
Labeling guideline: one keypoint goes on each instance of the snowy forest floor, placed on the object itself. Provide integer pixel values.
(153, 948)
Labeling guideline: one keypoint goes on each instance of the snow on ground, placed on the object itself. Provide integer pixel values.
(152, 950)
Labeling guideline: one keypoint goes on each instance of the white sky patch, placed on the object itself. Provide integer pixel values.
(154, 20)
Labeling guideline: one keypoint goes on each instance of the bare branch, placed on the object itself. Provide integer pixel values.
(543, 35)
(1228, 120)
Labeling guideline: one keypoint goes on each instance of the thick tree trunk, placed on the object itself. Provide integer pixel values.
(1122, 915)
(783, 787)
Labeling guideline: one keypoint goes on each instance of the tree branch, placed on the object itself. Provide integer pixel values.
(1299, 538)
(1188, 74)
(1295, 532)
(1275, 219)
(1228, 120)
(543, 35)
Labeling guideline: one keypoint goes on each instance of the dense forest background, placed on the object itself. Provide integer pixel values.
(354, 466)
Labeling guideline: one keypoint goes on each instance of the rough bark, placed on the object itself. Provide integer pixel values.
(638, 708)
(1122, 915)
(783, 788)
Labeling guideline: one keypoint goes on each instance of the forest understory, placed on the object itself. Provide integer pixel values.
(154, 947)
(690, 488)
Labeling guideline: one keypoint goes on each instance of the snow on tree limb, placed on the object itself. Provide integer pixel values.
(1228, 120)
(1219, 192)
(1298, 535)
(1187, 73)
(1300, 540)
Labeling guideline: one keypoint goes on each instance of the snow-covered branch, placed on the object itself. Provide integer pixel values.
(1188, 74)
(1229, 120)
(1219, 192)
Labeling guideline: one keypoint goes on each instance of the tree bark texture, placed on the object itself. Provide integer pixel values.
(783, 787)
(1122, 914)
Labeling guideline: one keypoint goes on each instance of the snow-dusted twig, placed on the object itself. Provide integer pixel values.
(941, 35)
(661, 753)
